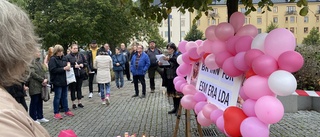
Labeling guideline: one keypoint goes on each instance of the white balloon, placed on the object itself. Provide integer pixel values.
(258, 41)
(282, 83)
(179, 59)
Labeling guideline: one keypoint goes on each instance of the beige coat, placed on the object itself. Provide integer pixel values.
(15, 121)
(103, 64)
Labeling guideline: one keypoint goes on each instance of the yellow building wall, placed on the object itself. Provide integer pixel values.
(294, 23)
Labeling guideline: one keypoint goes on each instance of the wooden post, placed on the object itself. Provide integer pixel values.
(188, 129)
(177, 122)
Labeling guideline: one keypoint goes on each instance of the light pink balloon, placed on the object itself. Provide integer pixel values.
(182, 86)
(199, 96)
(218, 46)
(210, 33)
(248, 107)
(178, 84)
(199, 42)
(179, 73)
(178, 78)
(253, 127)
(207, 109)
(190, 45)
(278, 41)
(269, 109)
(256, 87)
(192, 52)
(203, 121)
(210, 62)
(229, 68)
(247, 30)
(252, 55)
(198, 107)
(207, 44)
(185, 69)
(186, 59)
(189, 90)
(187, 102)
(221, 57)
(264, 65)
(290, 61)
(231, 43)
(237, 19)
(220, 123)
(258, 41)
(239, 62)
(215, 114)
(182, 46)
(243, 44)
(242, 94)
(225, 31)
(200, 50)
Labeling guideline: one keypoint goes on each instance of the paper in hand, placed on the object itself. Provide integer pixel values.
(160, 58)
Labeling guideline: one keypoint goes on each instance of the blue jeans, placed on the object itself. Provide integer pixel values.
(119, 75)
(60, 93)
(36, 107)
(104, 87)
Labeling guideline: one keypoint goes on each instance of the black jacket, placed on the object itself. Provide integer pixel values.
(170, 71)
(152, 56)
(57, 73)
(80, 59)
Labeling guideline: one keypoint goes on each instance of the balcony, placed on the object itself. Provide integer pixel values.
(292, 12)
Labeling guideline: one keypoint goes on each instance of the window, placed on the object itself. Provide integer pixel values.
(183, 22)
(275, 9)
(292, 29)
(213, 22)
(305, 30)
(275, 19)
(171, 23)
(165, 23)
(292, 20)
(259, 10)
(306, 19)
(286, 19)
(318, 11)
(166, 34)
(247, 21)
(183, 34)
(291, 9)
(259, 20)
(243, 10)
(259, 30)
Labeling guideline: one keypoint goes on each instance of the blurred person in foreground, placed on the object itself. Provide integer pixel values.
(17, 47)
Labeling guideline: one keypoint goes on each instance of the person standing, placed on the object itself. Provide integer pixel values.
(126, 54)
(119, 61)
(18, 92)
(105, 48)
(139, 65)
(152, 52)
(91, 56)
(170, 73)
(103, 64)
(58, 66)
(78, 63)
(36, 82)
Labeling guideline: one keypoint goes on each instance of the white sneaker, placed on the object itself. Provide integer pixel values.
(107, 100)
(90, 95)
(99, 94)
(37, 122)
(43, 120)
(103, 102)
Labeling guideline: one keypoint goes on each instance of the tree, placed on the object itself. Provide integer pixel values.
(194, 34)
(313, 39)
(271, 27)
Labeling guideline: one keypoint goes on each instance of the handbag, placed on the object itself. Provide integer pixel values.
(45, 92)
(70, 76)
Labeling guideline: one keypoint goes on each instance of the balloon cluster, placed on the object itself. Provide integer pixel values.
(267, 61)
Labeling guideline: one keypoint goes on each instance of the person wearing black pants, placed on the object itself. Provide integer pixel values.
(126, 54)
(91, 56)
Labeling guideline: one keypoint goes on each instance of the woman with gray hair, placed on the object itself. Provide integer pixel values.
(17, 47)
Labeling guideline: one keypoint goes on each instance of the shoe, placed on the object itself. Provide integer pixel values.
(57, 116)
(80, 105)
(90, 95)
(69, 113)
(135, 96)
(74, 106)
(131, 81)
(173, 111)
(152, 90)
(103, 102)
(99, 94)
(43, 120)
(143, 96)
(37, 122)
(107, 100)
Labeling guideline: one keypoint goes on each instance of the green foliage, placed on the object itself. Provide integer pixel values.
(271, 27)
(313, 38)
(21, 3)
(194, 34)
(308, 77)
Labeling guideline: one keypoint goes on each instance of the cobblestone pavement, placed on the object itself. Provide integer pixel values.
(148, 116)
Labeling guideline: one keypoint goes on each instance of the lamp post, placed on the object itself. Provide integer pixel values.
(169, 16)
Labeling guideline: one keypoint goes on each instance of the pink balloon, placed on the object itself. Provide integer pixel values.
(248, 107)
(229, 68)
(269, 109)
(237, 20)
(192, 52)
(199, 96)
(182, 86)
(247, 30)
(221, 57)
(278, 41)
(185, 69)
(253, 127)
(256, 87)
(243, 44)
(200, 50)
(231, 43)
(190, 45)
(225, 31)
(220, 123)
(203, 121)
(189, 90)
(178, 84)
(207, 44)
(210, 62)
(239, 62)
(185, 58)
(218, 46)
(198, 107)
(290, 61)
(251, 55)
(178, 78)
(215, 114)
(187, 102)
(199, 42)
(210, 33)
(242, 94)
(264, 65)
(207, 109)
(179, 73)
(182, 46)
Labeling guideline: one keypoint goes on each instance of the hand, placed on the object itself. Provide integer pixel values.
(118, 64)
(81, 65)
(25, 88)
(45, 81)
(159, 63)
(76, 66)
(166, 58)
(67, 68)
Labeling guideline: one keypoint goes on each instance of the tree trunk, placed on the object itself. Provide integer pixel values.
(232, 6)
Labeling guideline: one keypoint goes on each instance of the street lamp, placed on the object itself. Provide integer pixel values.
(169, 16)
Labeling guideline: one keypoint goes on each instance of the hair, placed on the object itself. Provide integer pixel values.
(50, 53)
(172, 46)
(118, 48)
(103, 53)
(57, 48)
(18, 43)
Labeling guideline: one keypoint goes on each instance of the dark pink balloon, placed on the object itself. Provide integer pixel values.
(240, 63)
(210, 34)
(243, 44)
(242, 94)
(225, 31)
(190, 45)
(218, 46)
(290, 61)
(221, 57)
(207, 44)
(231, 43)
(185, 58)
(192, 52)
(251, 55)
(229, 68)
(264, 65)
(199, 42)
(247, 30)
(237, 19)
(182, 46)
